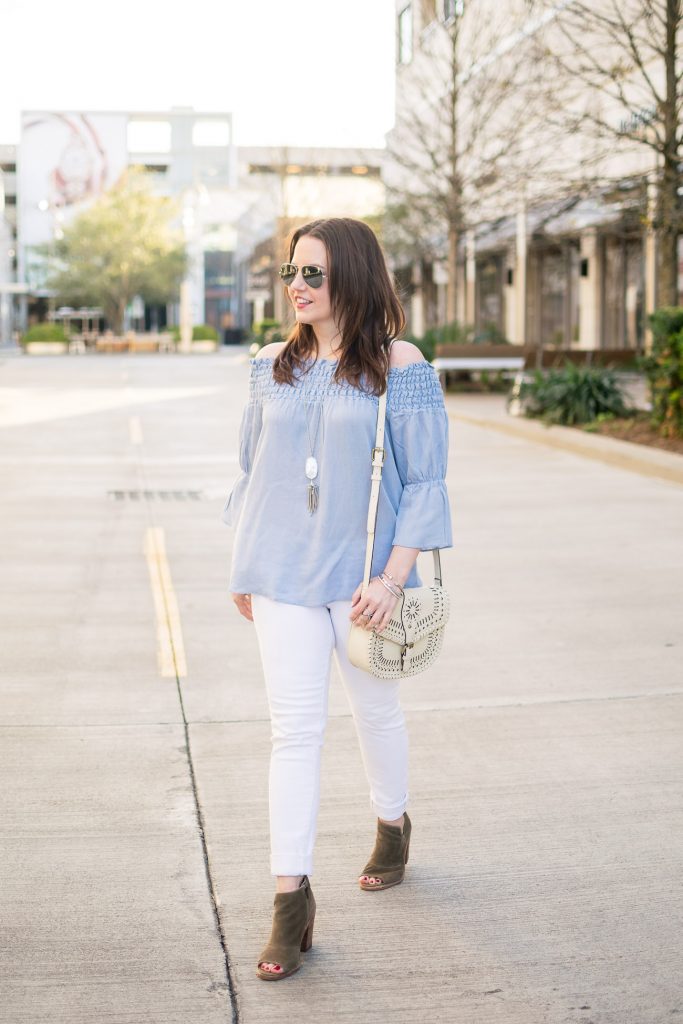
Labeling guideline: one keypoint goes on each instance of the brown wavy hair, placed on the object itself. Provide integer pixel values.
(364, 303)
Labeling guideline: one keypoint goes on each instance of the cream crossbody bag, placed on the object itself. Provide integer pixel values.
(413, 638)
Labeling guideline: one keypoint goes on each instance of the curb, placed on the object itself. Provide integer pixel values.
(635, 458)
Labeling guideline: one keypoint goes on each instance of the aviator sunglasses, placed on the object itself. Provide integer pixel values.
(312, 275)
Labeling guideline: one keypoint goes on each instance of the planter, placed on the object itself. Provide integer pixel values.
(204, 346)
(46, 348)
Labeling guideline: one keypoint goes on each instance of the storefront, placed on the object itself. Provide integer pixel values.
(553, 294)
(489, 302)
(623, 290)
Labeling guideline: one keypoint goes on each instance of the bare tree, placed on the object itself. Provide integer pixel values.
(458, 150)
(619, 81)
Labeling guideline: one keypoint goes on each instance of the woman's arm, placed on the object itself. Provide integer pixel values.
(248, 439)
(419, 431)
(377, 599)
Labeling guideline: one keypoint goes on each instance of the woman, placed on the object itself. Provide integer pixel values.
(300, 510)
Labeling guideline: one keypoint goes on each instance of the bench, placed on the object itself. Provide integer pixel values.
(111, 343)
(143, 344)
(443, 363)
(506, 359)
(513, 360)
(131, 342)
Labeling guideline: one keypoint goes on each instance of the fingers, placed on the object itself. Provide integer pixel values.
(381, 619)
(373, 614)
(373, 609)
(243, 602)
(383, 622)
(362, 612)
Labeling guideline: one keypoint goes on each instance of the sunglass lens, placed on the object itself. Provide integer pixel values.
(313, 276)
(287, 272)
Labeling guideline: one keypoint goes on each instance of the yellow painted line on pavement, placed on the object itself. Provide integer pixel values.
(171, 649)
(135, 429)
(624, 460)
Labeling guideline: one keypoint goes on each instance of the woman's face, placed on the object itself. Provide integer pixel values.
(311, 305)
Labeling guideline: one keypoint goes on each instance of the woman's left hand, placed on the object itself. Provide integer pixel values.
(377, 601)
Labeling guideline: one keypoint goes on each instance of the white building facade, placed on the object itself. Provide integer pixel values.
(234, 201)
(541, 259)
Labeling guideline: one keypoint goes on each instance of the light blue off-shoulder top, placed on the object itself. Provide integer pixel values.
(282, 551)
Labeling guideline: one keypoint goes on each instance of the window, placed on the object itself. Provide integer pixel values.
(622, 293)
(405, 35)
(559, 295)
(428, 12)
(452, 9)
(317, 170)
(150, 168)
(489, 297)
(149, 136)
(211, 133)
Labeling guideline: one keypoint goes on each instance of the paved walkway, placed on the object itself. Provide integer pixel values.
(547, 754)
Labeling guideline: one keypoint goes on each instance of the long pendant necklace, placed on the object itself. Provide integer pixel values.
(311, 467)
(313, 490)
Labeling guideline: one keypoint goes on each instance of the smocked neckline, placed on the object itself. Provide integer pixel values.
(308, 359)
(335, 362)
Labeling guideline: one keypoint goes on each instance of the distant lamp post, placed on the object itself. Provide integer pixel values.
(191, 304)
(185, 317)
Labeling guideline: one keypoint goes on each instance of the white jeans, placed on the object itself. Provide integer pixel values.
(296, 645)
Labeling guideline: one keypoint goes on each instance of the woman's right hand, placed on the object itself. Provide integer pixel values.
(243, 602)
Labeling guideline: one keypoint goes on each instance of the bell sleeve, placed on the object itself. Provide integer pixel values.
(250, 430)
(418, 425)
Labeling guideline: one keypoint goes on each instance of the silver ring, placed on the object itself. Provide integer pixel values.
(367, 615)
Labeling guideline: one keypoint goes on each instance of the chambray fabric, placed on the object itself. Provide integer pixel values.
(286, 554)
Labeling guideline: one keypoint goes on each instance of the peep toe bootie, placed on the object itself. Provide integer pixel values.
(291, 933)
(389, 857)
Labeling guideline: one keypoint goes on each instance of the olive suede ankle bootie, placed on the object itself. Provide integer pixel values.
(291, 933)
(389, 857)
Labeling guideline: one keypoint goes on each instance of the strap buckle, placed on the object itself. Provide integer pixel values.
(377, 453)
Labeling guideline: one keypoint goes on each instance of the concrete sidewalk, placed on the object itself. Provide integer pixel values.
(490, 411)
(547, 762)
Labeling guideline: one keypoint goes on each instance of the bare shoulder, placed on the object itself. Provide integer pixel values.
(271, 350)
(403, 353)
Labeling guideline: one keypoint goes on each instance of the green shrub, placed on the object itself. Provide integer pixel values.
(490, 334)
(260, 327)
(45, 332)
(263, 332)
(425, 345)
(573, 394)
(447, 334)
(666, 321)
(450, 334)
(204, 332)
(200, 332)
(494, 381)
(664, 370)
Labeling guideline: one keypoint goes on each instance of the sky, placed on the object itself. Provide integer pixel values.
(312, 73)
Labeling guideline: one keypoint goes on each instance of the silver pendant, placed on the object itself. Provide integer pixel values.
(312, 499)
(311, 467)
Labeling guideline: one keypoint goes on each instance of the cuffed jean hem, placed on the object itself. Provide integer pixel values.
(389, 813)
(290, 864)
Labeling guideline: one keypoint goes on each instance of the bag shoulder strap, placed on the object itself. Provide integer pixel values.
(377, 461)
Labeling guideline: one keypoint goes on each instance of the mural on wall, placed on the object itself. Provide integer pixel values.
(67, 159)
(80, 168)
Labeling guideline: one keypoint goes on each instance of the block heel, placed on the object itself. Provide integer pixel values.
(291, 933)
(307, 940)
(389, 857)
